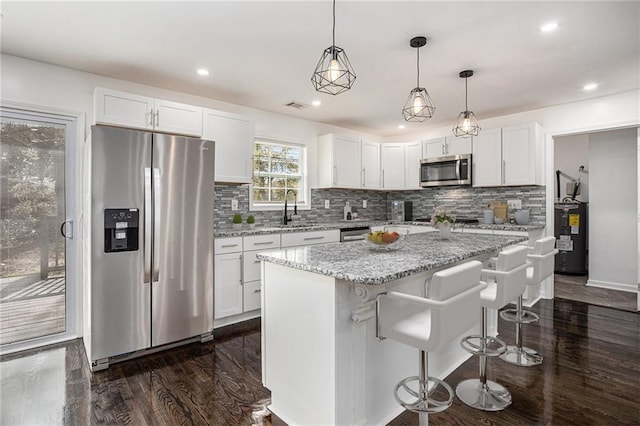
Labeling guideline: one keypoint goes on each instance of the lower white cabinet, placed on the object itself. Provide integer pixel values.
(251, 287)
(227, 277)
(310, 238)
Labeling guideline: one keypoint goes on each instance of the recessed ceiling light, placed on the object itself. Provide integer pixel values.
(203, 71)
(401, 126)
(548, 27)
(316, 103)
(590, 86)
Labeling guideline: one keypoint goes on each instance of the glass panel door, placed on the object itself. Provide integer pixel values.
(32, 211)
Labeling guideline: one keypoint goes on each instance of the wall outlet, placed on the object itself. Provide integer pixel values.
(364, 204)
(326, 204)
(514, 204)
(234, 204)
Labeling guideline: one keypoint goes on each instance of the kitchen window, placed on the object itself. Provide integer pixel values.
(277, 168)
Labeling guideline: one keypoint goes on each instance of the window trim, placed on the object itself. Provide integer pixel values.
(305, 177)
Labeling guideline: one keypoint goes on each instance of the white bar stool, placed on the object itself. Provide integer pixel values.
(505, 283)
(541, 258)
(428, 324)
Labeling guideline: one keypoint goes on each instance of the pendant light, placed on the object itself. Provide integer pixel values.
(334, 73)
(466, 124)
(419, 106)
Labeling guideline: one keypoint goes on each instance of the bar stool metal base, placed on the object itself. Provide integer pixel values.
(420, 404)
(488, 397)
(524, 357)
(522, 317)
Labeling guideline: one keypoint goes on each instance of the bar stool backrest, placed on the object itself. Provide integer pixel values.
(509, 280)
(461, 311)
(542, 260)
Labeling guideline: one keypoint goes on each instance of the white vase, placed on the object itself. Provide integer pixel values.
(444, 229)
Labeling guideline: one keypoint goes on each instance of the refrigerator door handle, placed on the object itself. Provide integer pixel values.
(147, 225)
(157, 190)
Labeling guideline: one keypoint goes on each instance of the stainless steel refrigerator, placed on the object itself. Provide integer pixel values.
(150, 216)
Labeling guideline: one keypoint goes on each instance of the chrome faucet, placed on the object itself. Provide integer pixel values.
(287, 218)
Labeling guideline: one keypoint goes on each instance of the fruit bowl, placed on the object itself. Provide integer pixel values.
(384, 241)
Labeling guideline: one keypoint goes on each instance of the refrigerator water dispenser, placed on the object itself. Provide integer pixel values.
(120, 230)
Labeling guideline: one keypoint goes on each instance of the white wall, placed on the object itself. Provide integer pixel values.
(40, 84)
(613, 209)
(571, 152)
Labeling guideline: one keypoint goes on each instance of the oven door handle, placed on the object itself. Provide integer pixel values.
(458, 164)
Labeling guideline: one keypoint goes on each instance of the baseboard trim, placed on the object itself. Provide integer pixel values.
(630, 288)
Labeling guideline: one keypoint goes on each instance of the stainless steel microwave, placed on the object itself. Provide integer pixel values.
(442, 171)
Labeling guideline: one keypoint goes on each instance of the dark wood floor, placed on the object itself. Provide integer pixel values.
(573, 287)
(591, 376)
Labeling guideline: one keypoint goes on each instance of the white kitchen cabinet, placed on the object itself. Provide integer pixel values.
(370, 165)
(227, 277)
(449, 145)
(508, 156)
(251, 271)
(141, 112)
(433, 148)
(339, 161)
(393, 167)
(296, 239)
(487, 158)
(522, 155)
(412, 155)
(234, 139)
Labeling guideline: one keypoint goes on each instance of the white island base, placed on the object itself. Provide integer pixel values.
(320, 357)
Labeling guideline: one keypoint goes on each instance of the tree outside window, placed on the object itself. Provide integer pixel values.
(277, 167)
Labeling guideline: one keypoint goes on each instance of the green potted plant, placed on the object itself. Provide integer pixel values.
(442, 221)
(251, 221)
(237, 221)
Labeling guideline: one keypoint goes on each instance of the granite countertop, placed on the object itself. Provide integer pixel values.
(301, 227)
(357, 263)
(298, 227)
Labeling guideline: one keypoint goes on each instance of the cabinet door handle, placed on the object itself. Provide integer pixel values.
(383, 178)
(241, 257)
(504, 171)
(151, 118)
(229, 245)
(313, 238)
(335, 174)
(443, 149)
(364, 176)
(157, 118)
(262, 243)
(257, 290)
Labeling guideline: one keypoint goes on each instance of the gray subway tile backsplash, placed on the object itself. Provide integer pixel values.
(464, 202)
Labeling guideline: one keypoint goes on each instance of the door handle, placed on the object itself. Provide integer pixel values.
(147, 225)
(157, 190)
(63, 229)
(157, 118)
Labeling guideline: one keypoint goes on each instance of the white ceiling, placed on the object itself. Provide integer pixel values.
(261, 54)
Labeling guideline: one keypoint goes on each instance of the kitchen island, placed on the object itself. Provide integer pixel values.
(320, 358)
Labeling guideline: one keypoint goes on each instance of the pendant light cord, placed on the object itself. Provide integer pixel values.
(418, 67)
(466, 93)
(334, 23)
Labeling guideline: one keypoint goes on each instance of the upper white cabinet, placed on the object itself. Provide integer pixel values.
(233, 136)
(446, 146)
(412, 154)
(487, 158)
(339, 161)
(370, 165)
(522, 155)
(141, 112)
(393, 167)
(508, 156)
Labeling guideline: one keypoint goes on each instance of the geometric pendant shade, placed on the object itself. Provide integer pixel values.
(466, 125)
(419, 105)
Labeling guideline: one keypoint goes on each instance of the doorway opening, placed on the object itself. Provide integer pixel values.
(595, 218)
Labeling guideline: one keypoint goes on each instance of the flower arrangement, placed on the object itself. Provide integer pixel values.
(440, 215)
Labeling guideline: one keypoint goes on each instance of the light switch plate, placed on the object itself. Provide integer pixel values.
(364, 204)
(326, 204)
(514, 204)
(234, 204)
